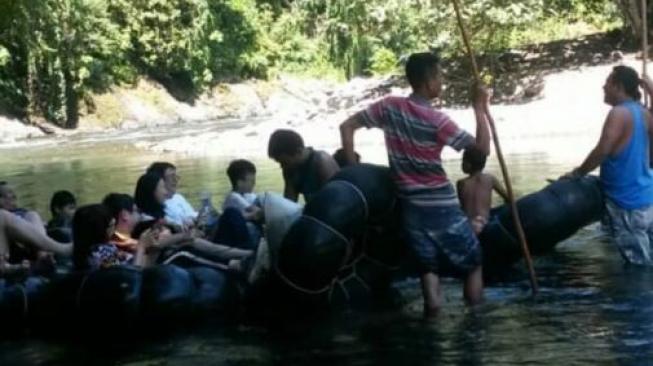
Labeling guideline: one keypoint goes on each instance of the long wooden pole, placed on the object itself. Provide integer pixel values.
(644, 9)
(502, 162)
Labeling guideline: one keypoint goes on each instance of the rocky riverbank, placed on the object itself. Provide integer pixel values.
(569, 106)
(540, 93)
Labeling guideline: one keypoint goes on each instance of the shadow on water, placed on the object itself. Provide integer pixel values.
(592, 310)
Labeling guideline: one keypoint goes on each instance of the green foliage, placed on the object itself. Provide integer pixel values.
(54, 53)
(383, 61)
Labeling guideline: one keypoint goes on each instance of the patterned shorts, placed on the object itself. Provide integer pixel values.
(632, 231)
(442, 239)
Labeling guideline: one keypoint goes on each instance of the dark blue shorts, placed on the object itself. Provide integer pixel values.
(442, 239)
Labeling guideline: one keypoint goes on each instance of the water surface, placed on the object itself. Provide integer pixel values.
(592, 310)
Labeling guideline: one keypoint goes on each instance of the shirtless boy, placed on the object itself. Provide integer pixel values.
(475, 191)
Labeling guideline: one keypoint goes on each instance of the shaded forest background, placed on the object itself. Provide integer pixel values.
(56, 54)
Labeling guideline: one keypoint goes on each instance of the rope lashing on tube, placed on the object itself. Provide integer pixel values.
(196, 259)
(78, 297)
(354, 260)
(374, 261)
(337, 234)
(508, 233)
(360, 194)
(347, 255)
(303, 289)
(25, 301)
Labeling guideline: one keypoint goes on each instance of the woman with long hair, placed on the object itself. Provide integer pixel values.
(150, 196)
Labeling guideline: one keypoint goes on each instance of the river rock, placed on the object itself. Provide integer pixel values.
(140, 113)
(247, 102)
(12, 129)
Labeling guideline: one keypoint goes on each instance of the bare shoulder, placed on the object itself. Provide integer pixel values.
(324, 157)
(488, 178)
(619, 113)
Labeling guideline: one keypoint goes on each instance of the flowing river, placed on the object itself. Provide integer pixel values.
(592, 310)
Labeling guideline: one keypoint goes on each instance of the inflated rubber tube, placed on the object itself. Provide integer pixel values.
(107, 299)
(120, 299)
(215, 292)
(15, 302)
(548, 216)
(166, 294)
(344, 243)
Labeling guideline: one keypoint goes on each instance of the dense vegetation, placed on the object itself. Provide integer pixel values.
(55, 53)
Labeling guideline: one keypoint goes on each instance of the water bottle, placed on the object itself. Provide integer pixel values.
(207, 216)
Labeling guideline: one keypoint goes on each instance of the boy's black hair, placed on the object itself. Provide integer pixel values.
(627, 77)
(475, 159)
(159, 168)
(117, 202)
(284, 142)
(60, 199)
(420, 67)
(238, 169)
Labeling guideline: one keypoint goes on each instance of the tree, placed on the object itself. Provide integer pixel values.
(632, 12)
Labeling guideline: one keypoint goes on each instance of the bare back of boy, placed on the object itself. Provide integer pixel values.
(475, 194)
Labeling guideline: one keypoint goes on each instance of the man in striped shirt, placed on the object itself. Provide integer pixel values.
(437, 231)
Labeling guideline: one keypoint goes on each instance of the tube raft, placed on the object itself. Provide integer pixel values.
(348, 240)
(119, 299)
(345, 247)
(548, 216)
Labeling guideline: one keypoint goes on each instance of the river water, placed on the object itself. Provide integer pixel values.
(592, 310)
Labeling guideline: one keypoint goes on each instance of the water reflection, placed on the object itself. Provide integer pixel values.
(591, 309)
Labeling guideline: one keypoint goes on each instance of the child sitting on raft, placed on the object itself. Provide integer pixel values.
(239, 224)
(242, 175)
(475, 191)
(62, 207)
(124, 211)
(94, 227)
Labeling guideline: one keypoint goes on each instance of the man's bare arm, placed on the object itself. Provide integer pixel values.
(347, 130)
(647, 85)
(612, 130)
(481, 109)
(649, 119)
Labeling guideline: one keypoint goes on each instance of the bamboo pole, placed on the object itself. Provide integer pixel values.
(502, 163)
(644, 8)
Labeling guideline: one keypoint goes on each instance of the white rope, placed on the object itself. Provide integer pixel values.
(25, 300)
(339, 235)
(360, 194)
(195, 258)
(379, 263)
(344, 291)
(344, 262)
(505, 231)
(299, 288)
(78, 298)
(340, 281)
